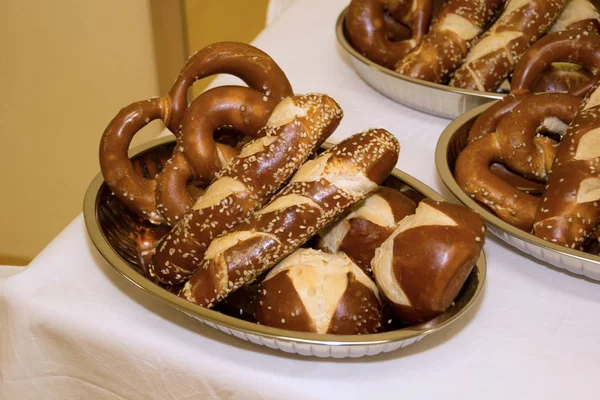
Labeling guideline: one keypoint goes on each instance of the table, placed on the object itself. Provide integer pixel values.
(72, 328)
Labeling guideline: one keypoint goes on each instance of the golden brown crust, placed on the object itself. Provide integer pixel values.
(319, 192)
(444, 48)
(368, 23)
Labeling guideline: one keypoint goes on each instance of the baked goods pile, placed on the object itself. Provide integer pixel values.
(258, 218)
(533, 161)
(482, 45)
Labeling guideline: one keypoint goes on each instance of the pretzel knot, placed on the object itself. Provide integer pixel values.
(163, 197)
(522, 133)
(542, 67)
(385, 31)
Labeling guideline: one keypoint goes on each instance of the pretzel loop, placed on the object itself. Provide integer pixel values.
(251, 65)
(163, 198)
(519, 144)
(576, 47)
(385, 31)
(131, 188)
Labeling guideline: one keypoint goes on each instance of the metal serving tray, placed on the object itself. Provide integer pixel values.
(432, 98)
(120, 237)
(449, 146)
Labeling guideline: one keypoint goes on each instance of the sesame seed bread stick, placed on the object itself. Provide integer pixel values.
(568, 212)
(321, 191)
(295, 129)
(496, 53)
(453, 30)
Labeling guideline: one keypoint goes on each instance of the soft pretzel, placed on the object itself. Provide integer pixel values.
(240, 108)
(312, 291)
(563, 78)
(488, 121)
(577, 15)
(577, 47)
(517, 144)
(296, 128)
(422, 266)
(494, 55)
(321, 190)
(568, 212)
(368, 23)
(363, 230)
(268, 85)
(444, 48)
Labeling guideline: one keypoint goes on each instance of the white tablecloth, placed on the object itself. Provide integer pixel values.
(72, 328)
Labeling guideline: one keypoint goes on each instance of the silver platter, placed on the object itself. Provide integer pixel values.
(120, 237)
(432, 98)
(449, 146)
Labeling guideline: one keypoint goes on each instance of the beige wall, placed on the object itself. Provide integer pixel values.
(66, 67)
(209, 21)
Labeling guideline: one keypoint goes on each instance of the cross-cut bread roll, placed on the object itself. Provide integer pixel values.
(422, 266)
(322, 190)
(313, 291)
(365, 228)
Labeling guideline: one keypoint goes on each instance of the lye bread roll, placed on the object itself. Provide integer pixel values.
(313, 291)
(422, 266)
(321, 190)
(295, 129)
(365, 228)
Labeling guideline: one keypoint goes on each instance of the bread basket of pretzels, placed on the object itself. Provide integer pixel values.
(528, 163)
(248, 221)
(448, 57)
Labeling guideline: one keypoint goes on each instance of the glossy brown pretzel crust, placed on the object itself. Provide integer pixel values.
(370, 25)
(229, 106)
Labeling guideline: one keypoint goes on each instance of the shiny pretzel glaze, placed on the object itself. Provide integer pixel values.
(321, 190)
(368, 31)
(499, 49)
(444, 48)
(363, 230)
(423, 265)
(574, 46)
(577, 15)
(228, 106)
(516, 144)
(568, 213)
(312, 291)
(296, 128)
